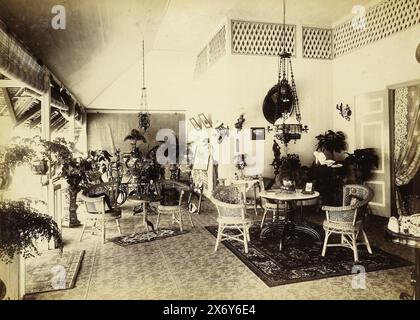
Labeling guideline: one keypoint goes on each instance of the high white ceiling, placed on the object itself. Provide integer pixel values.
(100, 49)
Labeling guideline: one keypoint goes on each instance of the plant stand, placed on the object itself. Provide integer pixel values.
(70, 219)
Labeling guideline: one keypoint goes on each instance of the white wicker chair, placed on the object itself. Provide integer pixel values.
(347, 220)
(272, 207)
(175, 211)
(232, 215)
(97, 209)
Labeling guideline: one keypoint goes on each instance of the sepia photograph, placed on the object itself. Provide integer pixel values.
(210, 155)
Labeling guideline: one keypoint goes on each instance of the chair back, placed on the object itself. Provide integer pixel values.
(355, 194)
(355, 202)
(180, 187)
(229, 201)
(95, 196)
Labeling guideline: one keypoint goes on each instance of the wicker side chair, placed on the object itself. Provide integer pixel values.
(100, 202)
(271, 206)
(347, 220)
(232, 215)
(175, 209)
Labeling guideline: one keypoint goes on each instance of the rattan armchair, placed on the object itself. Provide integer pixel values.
(229, 201)
(347, 220)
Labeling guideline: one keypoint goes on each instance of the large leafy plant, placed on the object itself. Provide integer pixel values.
(20, 226)
(361, 164)
(135, 136)
(332, 142)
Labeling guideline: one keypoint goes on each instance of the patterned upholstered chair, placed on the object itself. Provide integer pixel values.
(270, 206)
(232, 215)
(100, 201)
(347, 220)
(173, 207)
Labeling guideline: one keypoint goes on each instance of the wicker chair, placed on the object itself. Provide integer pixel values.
(175, 210)
(270, 206)
(231, 215)
(99, 201)
(347, 220)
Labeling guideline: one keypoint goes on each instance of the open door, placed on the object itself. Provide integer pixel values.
(373, 131)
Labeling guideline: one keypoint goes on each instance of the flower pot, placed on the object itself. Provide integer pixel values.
(39, 167)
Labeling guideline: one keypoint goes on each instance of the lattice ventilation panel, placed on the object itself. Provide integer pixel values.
(258, 38)
(317, 43)
(385, 19)
(201, 63)
(217, 46)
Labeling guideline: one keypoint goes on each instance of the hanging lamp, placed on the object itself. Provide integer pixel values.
(144, 115)
(282, 101)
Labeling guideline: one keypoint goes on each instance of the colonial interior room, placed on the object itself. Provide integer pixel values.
(201, 150)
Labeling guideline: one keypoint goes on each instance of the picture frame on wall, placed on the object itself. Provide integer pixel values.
(258, 134)
(204, 121)
(195, 124)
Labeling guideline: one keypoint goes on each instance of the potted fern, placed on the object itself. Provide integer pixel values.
(21, 226)
(11, 157)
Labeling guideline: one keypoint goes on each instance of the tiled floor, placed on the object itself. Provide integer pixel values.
(186, 267)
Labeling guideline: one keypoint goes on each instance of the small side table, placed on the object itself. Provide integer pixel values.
(144, 200)
(413, 242)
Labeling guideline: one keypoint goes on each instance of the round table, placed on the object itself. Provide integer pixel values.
(413, 242)
(144, 201)
(289, 226)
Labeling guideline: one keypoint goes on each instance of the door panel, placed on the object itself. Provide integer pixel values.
(372, 131)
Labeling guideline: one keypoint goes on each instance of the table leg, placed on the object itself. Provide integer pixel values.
(255, 200)
(415, 280)
(145, 224)
(289, 228)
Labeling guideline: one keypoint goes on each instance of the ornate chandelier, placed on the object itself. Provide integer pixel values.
(144, 115)
(282, 100)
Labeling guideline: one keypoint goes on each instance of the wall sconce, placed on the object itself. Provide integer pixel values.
(344, 111)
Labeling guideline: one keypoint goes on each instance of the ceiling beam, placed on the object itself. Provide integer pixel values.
(29, 115)
(9, 105)
(11, 84)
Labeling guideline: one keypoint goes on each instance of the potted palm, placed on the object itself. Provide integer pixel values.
(331, 143)
(360, 165)
(134, 137)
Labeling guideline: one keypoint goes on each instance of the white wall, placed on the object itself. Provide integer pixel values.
(238, 84)
(373, 68)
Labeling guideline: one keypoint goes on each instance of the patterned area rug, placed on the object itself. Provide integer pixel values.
(128, 240)
(302, 261)
(52, 272)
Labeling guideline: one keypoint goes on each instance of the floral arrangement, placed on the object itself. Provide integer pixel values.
(20, 226)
